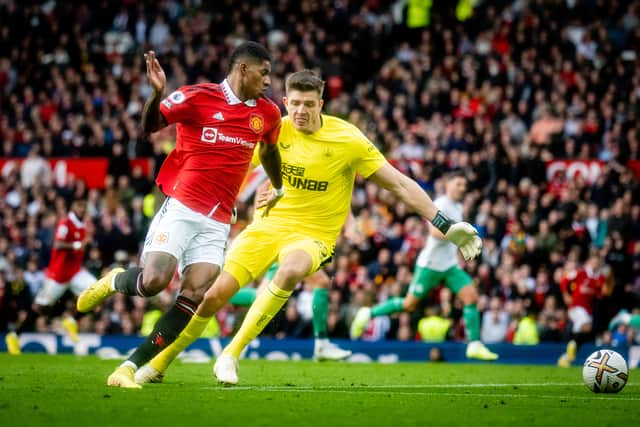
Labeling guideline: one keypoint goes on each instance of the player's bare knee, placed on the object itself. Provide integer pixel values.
(158, 272)
(291, 274)
(154, 281)
(197, 281)
(468, 295)
(214, 299)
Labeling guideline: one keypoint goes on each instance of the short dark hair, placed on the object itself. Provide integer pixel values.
(305, 81)
(74, 199)
(249, 50)
(456, 173)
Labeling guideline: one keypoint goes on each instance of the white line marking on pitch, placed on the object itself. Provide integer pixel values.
(409, 386)
(419, 393)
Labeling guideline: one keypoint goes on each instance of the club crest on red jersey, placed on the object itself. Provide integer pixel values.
(256, 123)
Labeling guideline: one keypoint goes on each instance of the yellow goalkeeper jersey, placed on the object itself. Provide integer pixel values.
(318, 171)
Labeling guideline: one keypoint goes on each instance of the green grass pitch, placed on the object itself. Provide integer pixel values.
(41, 390)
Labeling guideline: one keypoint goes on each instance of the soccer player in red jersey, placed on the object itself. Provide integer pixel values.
(217, 126)
(64, 271)
(580, 288)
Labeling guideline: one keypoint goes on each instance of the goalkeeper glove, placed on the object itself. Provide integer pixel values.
(461, 234)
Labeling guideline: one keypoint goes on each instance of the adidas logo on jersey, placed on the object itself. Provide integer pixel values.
(218, 116)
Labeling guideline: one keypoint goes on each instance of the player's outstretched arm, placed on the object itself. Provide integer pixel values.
(270, 159)
(152, 120)
(461, 234)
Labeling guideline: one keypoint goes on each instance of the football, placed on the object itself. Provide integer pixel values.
(605, 371)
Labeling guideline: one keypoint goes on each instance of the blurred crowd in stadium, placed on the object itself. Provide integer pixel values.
(498, 94)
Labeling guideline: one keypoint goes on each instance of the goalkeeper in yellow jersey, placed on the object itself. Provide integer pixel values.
(321, 156)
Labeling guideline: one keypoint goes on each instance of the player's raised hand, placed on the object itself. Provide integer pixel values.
(266, 198)
(465, 237)
(155, 73)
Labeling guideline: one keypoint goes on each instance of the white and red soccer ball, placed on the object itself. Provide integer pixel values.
(605, 371)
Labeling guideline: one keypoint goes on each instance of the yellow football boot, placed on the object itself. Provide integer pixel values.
(569, 355)
(360, 322)
(572, 349)
(13, 343)
(477, 350)
(95, 294)
(71, 328)
(124, 377)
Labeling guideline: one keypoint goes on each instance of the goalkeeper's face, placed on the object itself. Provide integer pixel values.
(304, 109)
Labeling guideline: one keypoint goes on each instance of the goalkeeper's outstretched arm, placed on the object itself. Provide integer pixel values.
(462, 234)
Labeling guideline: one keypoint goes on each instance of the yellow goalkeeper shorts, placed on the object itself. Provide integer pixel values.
(261, 244)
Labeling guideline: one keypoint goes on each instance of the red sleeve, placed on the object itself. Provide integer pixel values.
(271, 136)
(178, 106)
(274, 121)
(62, 232)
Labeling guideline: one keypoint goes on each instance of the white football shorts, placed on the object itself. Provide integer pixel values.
(579, 317)
(51, 291)
(187, 235)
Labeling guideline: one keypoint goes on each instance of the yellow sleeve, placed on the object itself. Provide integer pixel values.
(255, 160)
(367, 159)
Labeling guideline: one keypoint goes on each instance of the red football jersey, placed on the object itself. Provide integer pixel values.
(65, 263)
(216, 135)
(584, 286)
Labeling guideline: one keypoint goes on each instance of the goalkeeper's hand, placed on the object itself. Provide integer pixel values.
(465, 237)
(267, 198)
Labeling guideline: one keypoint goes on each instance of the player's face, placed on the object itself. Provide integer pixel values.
(456, 188)
(304, 109)
(256, 78)
(79, 208)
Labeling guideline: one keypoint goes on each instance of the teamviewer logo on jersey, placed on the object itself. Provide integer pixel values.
(209, 135)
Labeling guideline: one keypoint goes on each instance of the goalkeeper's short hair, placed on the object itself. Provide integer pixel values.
(305, 81)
